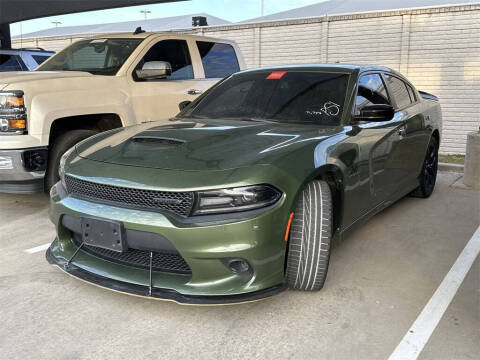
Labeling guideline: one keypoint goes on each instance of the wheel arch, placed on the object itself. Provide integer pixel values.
(333, 176)
(436, 135)
(99, 122)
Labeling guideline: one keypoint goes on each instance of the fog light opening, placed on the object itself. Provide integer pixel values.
(238, 266)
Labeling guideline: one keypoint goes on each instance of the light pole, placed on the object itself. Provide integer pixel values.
(145, 13)
(56, 23)
(263, 7)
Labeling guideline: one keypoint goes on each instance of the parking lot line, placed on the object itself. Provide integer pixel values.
(38, 249)
(417, 336)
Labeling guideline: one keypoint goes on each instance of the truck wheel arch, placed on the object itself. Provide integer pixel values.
(97, 122)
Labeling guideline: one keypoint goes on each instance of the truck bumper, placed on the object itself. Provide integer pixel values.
(22, 170)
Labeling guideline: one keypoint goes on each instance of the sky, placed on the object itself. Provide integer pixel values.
(231, 10)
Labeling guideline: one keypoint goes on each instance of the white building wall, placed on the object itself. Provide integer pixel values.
(438, 49)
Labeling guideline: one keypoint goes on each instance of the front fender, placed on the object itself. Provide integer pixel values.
(45, 108)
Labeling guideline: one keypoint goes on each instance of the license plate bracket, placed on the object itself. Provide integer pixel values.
(105, 234)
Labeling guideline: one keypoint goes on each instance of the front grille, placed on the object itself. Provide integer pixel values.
(179, 203)
(162, 262)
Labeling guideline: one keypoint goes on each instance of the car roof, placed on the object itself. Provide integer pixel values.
(339, 68)
(347, 68)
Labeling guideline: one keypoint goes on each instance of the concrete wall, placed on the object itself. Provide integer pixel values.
(438, 49)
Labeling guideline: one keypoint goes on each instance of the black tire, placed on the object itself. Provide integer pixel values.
(58, 148)
(428, 175)
(310, 237)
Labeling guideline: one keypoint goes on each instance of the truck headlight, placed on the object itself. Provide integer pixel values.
(235, 199)
(13, 114)
(61, 166)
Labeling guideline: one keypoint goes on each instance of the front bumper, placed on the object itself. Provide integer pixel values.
(157, 293)
(15, 174)
(257, 238)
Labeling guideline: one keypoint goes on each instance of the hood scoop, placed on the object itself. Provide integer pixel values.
(156, 141)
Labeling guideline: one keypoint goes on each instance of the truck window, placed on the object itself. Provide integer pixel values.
(10, 63)
(399, 91)
(176, 53)
(219, 60)
(371, 91)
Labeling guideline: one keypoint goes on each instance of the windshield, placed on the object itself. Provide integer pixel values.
(283, 96)
(97, 56)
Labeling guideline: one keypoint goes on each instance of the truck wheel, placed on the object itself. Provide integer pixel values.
(428, 175)
(309, 244)
(59, 147)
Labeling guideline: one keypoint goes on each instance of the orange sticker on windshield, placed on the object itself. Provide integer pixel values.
(276, 75)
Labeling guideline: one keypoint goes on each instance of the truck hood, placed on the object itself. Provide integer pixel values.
(10, 78)
(183, 144)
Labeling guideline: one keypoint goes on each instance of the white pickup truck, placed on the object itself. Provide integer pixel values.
(96, 85)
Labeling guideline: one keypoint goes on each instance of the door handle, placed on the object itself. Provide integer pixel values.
(402, 131)
(194, 92)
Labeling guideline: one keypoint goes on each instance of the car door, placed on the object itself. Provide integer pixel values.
(158, 99)
(378, 143)
(410, 152)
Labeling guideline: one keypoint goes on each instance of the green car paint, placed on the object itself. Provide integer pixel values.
(368, 166)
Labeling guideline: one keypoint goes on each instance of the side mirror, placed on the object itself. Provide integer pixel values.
(155, 70)
(184, 104)
(376, 113)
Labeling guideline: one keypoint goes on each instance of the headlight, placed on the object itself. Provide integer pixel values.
(235, 199)
(13, 114)
(61, 166)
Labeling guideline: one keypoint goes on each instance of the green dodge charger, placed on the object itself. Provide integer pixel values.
(243, 192)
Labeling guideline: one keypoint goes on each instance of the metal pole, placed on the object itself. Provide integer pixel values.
(145, 12)
(5, 39)
(263, 7)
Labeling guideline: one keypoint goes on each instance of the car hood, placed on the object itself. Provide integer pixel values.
(201, 145)
(10, 78)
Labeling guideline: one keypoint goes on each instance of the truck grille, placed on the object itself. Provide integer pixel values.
(179, 203)
(162, 262)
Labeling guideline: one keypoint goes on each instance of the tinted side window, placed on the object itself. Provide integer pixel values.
(398, 90)
(10, 63)
(40, 59)
(371, 90)
(176, 53)
(219, 60)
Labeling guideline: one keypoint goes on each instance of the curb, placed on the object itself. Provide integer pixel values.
(456, 168)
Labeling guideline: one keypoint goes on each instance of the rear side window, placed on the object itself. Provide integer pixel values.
(411, 92)
(176, 53)
(10, 63)
(398, 90)
(40, 59)
(219, 60)
(371, 91)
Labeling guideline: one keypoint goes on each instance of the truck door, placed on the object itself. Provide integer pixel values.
(158, 99)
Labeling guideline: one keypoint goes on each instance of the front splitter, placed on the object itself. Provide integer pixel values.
(159, 293)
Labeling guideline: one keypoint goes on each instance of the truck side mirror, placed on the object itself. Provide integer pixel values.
(154, 70)
(184, 104)
(376, 113)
